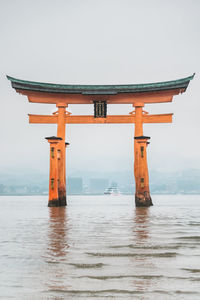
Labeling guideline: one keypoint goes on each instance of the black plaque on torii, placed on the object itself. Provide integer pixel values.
(100, 109)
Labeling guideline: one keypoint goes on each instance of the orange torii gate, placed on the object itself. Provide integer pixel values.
(100, 95)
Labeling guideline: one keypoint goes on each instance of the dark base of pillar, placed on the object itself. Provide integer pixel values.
(63, 201)
(143, 200)
(54, 203)
(62, 196)
(58, 202)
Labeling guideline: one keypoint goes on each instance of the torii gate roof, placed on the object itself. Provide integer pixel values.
(99, 89)
(41, 92)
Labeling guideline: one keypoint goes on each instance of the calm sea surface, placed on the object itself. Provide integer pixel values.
(100, 247)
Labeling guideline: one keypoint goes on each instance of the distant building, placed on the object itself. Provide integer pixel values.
(74, 185)
(98, 185)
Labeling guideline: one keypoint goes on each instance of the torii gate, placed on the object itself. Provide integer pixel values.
(100, 95)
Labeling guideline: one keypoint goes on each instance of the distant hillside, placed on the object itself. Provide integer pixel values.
(25, 183)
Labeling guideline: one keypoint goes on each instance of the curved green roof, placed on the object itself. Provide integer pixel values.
(99, 89)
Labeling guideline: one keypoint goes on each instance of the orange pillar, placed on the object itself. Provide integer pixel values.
(66, 145)
(142, 194)
(138, 119)
(62, 154)
(53, 171)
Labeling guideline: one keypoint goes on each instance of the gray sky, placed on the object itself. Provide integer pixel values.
(100, 42)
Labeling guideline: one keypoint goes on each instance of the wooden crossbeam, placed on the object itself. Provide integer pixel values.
(161, 118)
(43, 119)
(112, 119)
(125, 98)
(122, 119)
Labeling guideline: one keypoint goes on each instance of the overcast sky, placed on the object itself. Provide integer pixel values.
(99, 42)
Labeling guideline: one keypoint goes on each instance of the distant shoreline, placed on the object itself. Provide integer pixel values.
(92, 194)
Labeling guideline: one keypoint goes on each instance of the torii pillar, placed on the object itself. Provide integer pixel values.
(142, 193)
(62, 154)
(53, 171)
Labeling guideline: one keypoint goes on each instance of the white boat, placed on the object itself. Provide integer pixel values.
(112, 190)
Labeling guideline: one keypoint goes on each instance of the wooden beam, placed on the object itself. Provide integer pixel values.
(42, 119)
(161, 118)
(116, 119)
(113, 119)
(122, 98)
(45, 119)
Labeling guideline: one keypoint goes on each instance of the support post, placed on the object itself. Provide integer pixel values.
(53, 171)
(62, 154)
(142, 193)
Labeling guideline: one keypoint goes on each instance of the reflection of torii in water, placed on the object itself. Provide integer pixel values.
(141, 224)
(100, 95)
(141, 239)
(57, 233)
(57, 247)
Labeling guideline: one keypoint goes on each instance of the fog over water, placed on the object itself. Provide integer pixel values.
(99, 42)
(100, 247)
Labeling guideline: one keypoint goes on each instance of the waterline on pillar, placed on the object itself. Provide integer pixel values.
(62, 201)
(54, 203)
(143, 200)
(62, 197)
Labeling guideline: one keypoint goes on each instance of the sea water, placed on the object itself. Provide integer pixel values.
(100, 247)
